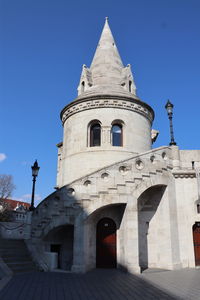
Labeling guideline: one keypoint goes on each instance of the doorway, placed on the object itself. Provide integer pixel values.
(61, 240)
(106, 244)
(196, 239)
(56, 248)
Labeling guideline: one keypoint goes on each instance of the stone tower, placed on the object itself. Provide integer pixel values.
(107, 122)
(119, 203)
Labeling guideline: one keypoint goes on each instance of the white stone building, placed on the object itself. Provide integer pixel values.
(119, 202)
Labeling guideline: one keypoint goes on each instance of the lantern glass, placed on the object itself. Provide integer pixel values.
(169, 107)
(35, 169)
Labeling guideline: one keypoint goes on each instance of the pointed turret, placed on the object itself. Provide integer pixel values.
(106, 75)
(106, 65)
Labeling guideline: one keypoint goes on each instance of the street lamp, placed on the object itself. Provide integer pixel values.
(169, 107)
(35, 169)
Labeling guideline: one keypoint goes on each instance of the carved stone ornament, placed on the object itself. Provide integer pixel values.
(107, 101)
(139, 164)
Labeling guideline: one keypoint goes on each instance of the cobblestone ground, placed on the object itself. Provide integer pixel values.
(103, 285)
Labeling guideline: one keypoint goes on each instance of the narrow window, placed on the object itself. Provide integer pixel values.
(82, 86)
(198, 208)
(130, 84)
(95, 135)
(116, 132)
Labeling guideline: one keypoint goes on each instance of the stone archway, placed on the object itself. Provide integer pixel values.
(60, 240)
(148, 229)
(106, 244)
(113, 212)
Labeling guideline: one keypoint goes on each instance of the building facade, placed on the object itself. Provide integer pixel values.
(119, 203)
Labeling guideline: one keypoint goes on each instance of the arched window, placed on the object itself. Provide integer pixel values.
(95, 135)
(116, 133)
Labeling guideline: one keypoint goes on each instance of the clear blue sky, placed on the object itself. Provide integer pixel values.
(43, 44)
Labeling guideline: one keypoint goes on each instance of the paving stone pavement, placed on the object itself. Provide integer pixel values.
(182, 283)
(103, 285)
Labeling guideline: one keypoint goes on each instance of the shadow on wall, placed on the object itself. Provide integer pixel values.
(64, 228)
(148, 203)
(60, 240)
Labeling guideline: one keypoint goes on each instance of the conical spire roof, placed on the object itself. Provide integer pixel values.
(107, 74)
(107, 64)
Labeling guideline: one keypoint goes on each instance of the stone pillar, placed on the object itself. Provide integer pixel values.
(78, 249)
(131, 237)
(106, 135)
(175, 157)
(173, 223)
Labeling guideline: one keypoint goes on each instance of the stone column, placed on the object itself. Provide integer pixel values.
(78, 248)
(173, 223)
(131, 249)
(175, 157)
(106, 135)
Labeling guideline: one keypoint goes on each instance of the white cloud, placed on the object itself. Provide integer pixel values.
(27, 198)
(2, 157)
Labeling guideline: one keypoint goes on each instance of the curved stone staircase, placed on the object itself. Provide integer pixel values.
(121, 178)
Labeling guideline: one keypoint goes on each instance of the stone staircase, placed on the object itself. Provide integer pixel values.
(118, 179)
(16, 255)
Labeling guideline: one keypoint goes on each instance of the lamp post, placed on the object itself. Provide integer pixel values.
(169, 107)
(35, 169)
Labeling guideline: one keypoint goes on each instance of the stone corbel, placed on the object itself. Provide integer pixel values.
(154, 135)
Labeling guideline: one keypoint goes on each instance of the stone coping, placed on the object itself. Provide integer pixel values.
(184, 173)
(139, 155)
(107, 101)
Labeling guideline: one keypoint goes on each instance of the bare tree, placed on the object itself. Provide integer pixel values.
(6, 188)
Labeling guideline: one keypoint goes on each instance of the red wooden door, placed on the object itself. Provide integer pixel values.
(196, 238)
(106, 244)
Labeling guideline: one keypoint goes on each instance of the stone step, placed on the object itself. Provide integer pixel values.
(113, 190)
(103, 192)
(8, 251)
(10, 243)
(159, 171)
(94, 196)
(12, 259)
(152, 173)
(129, 181)
(145, 175)
(21, 265)
(16, 255)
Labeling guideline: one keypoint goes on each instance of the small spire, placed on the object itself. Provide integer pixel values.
(107, 72)
(106, 56)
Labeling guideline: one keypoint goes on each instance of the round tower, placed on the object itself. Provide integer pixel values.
(107, 122)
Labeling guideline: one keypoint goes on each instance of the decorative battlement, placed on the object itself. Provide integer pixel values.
(105, 101)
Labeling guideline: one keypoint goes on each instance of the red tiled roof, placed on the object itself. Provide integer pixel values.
(14, 203)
